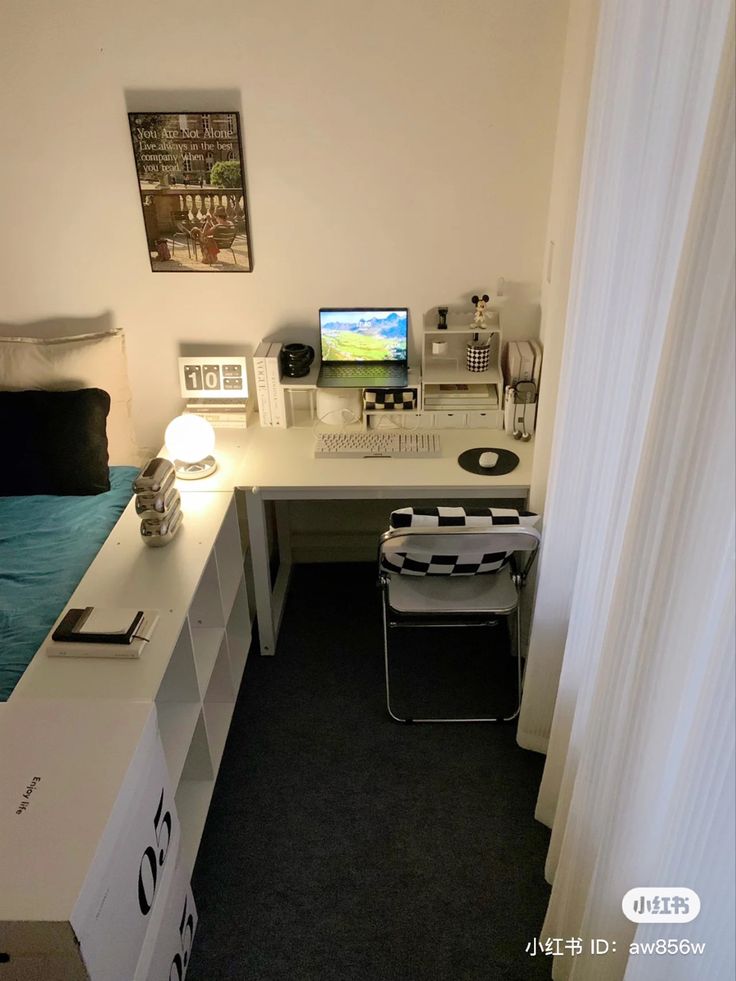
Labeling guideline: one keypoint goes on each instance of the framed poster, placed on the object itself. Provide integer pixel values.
(192, 186)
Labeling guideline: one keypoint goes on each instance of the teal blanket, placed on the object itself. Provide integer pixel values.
(46, 545)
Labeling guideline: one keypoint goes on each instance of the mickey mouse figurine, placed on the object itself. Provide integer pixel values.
(479, 320)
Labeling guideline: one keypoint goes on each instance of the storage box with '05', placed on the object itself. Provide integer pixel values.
(389, 399)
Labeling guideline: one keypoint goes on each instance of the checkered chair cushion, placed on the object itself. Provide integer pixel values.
(390, 399)
(470, 563)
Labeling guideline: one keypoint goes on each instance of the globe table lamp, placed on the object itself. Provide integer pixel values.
(190, 440)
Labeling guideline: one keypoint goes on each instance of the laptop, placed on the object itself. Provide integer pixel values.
(364, 347)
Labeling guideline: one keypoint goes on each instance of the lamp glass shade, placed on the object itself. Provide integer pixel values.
(190, 440)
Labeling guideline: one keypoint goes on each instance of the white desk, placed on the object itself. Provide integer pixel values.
(279, 465)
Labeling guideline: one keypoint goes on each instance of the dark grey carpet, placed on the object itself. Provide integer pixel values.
(341, 846)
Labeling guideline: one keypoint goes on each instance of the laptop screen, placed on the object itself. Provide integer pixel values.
(364, 335)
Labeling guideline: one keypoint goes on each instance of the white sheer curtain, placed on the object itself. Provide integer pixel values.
(636, 581)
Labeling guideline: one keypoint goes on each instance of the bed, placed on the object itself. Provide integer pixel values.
(47, 543)
(65, 410)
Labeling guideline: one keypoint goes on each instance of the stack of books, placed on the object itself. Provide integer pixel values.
(457, 397)
(221, 413)
(271, 401)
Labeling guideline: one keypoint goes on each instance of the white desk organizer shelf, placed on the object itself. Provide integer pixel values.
(479, 402)
(301, 397)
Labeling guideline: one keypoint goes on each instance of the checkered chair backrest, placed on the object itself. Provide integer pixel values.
(454, 541)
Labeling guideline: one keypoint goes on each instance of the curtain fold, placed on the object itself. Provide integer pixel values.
(651, 92)
(638, 784)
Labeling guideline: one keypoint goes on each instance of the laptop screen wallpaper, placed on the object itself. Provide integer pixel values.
(363, 335)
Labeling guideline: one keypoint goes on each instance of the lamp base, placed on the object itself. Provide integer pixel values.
(195, 471)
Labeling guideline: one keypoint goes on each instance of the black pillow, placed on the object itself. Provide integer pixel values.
(54, 442)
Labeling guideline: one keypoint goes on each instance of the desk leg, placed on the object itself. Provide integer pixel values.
(283, 530)
(258, 540)
(281, 586)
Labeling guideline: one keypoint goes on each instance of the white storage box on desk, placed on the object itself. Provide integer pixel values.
(490, 419)
(450, 420)
(87, 829)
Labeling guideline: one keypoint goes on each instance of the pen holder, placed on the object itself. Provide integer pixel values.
(479, 355)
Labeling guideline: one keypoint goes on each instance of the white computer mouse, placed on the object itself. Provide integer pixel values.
(488, 459)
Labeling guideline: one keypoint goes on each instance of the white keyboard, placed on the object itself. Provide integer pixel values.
(343, 444)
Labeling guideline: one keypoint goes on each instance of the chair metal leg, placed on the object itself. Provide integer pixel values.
(384, 605)
(517, 615)
(396, 718)
(173, 245)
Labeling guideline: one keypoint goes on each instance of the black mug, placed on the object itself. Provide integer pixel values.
(296, 360)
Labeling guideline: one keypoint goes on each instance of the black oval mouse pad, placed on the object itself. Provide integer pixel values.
(507, 461)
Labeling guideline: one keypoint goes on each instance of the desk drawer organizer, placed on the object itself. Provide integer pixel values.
(390, 399)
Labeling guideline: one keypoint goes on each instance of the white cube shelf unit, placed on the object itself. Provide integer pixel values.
(100, 789)
(194, 663)
(480, 404)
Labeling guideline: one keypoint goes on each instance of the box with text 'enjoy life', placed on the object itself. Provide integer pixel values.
(88, 828)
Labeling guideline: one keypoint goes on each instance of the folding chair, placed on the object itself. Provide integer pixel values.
(454, 568)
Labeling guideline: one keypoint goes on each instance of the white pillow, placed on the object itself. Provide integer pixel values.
(81, 361)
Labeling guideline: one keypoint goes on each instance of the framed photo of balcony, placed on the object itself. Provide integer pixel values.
(191, 179)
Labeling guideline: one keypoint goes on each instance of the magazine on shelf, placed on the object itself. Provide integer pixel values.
(460, 396)
(459, 391)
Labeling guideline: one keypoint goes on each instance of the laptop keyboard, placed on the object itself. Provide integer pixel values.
(362, 371)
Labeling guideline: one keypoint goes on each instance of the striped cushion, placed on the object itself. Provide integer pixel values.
(390, 399)
(406, 564)
(445, 517)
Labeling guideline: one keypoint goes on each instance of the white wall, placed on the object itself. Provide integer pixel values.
(396, 153)
(568, 161)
